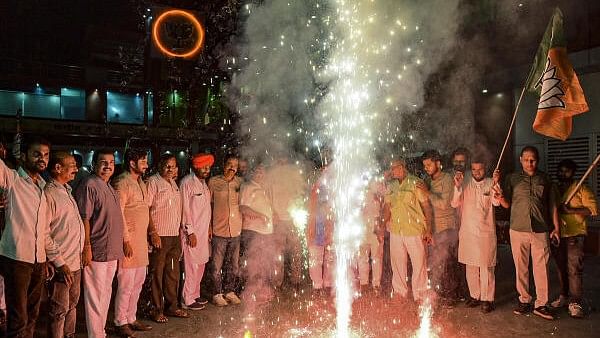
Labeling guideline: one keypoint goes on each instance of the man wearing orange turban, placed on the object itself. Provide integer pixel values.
(195, 231)
(202, 160)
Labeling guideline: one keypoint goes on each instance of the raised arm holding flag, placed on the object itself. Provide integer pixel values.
(554, 81)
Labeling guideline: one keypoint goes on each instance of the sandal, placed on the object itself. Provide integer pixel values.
(179, 313)
(160, 318)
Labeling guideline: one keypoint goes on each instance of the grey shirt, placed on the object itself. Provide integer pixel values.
(99, 203)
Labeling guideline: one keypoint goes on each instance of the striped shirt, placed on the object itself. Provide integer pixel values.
(165, 205)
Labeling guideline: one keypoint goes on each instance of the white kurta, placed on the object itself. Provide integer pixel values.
(195, 198)
(477, 234)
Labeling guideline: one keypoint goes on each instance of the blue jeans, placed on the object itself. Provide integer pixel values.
(226, 258)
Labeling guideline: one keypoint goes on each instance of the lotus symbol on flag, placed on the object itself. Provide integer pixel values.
(551, 93)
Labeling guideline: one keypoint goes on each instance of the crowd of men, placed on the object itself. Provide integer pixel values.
(241, 227)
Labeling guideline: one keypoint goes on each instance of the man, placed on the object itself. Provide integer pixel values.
(319, 235)
(164, 200)
(102, 218)
(409, 214)
(573, 229)
(195, 232)
(372, 244)
(533, 213)
(461, 163)
(82, 172)
(443, 256)
(460, 159)
(477, 235)
(243, 167)
(257, 235)
(226, 230)
(287, 187)
(3, 157)
(67, 231)
(131, 273)
(26, 240)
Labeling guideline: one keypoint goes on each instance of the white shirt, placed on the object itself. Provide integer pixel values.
(66, 226)
(254, 196)
(195, 198)
(477, 234)
(26, 237)
(165, 205)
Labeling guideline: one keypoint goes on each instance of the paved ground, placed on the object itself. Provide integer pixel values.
(301, 315)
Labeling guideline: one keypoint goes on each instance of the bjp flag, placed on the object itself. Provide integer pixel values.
(553, 79)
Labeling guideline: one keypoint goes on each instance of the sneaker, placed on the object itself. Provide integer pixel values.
(472, 302)
(201, 301)
(233, 298)
(576, 311)
(522, 308)
(487, 307)
(219, 300)
(195, 306)
(544, 312)
(561, 301)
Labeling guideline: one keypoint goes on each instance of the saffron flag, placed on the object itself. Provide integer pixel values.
(553, 79)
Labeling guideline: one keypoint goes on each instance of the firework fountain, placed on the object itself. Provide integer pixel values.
(357, 68)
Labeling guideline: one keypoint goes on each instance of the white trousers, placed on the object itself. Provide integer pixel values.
(97, 289)
(191, 283)
(130, 281)
(524, 245)
(321, 265)
(481, 282)
(371, 250)
(401, 248)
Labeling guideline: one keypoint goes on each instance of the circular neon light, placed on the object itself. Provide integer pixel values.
(192, 19)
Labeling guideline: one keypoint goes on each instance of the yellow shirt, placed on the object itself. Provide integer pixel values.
(573, 224)
(404, 200)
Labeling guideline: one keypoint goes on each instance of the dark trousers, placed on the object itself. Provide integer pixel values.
(226, 258)
(164, 267)
(289, 252)
(569, 261)
(443, 259)
(23, 285)
(62, 299)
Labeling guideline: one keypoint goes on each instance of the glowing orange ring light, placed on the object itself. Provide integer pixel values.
(192, 19)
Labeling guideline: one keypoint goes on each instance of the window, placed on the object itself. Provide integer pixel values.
(124, 108)
(41, 105)
(10, 102)
(150, 99)
(72, 105)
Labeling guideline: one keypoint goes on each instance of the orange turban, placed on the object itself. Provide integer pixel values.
(202, 160)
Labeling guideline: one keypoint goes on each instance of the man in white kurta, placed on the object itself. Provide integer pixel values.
(371, 248)
(477, 234)
(195, 198)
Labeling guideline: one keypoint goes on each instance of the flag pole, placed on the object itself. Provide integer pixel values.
(585, 176)
(512, 124)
